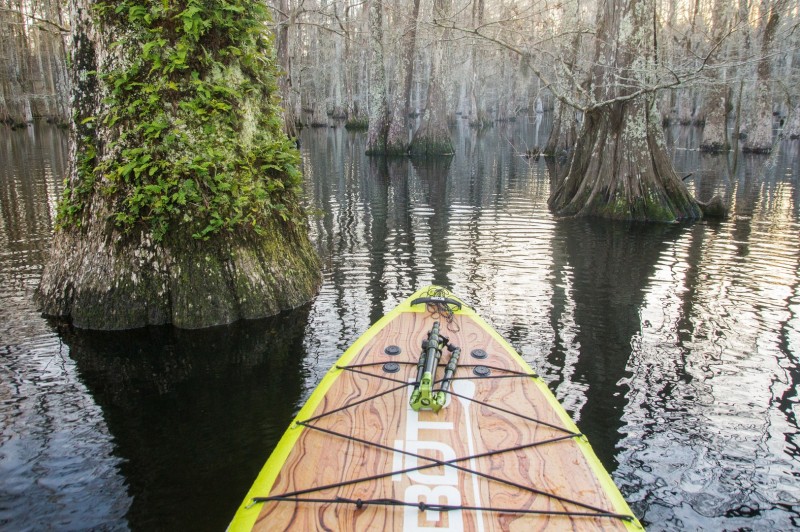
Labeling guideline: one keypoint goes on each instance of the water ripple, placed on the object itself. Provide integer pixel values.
(674, 347)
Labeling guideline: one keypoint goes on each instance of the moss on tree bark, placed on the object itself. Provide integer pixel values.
(620, 170)
(183, 200)
(101, 279)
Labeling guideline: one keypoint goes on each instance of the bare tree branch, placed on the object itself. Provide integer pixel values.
(56, 25)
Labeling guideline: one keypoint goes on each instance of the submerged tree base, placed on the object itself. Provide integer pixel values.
(396, 151)
(620, 170)
(480, 121)
(357, 124)
(715, 147)
(105, 283)
(758, 150)
(714, 208)
(432, 141)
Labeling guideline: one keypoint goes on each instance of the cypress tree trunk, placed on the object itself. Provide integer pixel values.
(715, 137)
(285, 21)
(433, 135)
(397, 141)
(564, 131)
(319, 116)
(477, 115)
(792, 129)
(378, 101)
(759, 129)
(562, 135)
(620, 168)
(685, 107)
(338, 111)
(60, 68)
(715, 133)
(182, 202)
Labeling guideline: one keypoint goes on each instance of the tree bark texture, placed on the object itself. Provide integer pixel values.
(177, 262)
(397, 136)
(759, 124)
(715, 129)
(792, 129)
(378, 96)
(284, 58)
(715, 132)
(433, 135)
(564, 131)
(477, 115)
(685, 111)
(620, 168)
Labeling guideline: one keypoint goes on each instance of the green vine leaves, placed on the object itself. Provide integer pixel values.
(191, 124)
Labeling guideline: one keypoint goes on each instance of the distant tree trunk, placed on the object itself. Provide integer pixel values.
(318, 95)
(319, 115)
(685, 109)
(378, 99)
(397, 141)
(477, 116)
(433, 135)
(620, 168)
(741, 54)
(507, 106)
(284, 22)
(792, 129)
(687, 97)
(183, 199)
(667, 99)
(759, 128)
(337, 103)
(715, 134)
(337, 70)
(410, 55)
(715, 130)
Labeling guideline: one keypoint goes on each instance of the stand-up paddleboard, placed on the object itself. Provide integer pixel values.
(432, 421)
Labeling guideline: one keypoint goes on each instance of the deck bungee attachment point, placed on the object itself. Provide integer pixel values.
(421, 447)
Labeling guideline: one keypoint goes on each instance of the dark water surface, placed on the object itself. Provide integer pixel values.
(675, 347)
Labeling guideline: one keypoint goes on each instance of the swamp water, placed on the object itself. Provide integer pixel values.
(675, 347)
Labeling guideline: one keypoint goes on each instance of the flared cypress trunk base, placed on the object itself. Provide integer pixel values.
(620, 170)
(99, 281)
(480, 120)
(757, 149)
(432, 139)
(431, 147)
(715, 147)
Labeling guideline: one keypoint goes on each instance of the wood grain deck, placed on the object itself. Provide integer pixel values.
(398, 439)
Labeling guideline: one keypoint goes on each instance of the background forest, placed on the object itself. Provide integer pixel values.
(482, 61)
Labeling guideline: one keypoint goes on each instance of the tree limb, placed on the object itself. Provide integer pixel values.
(58, 26)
